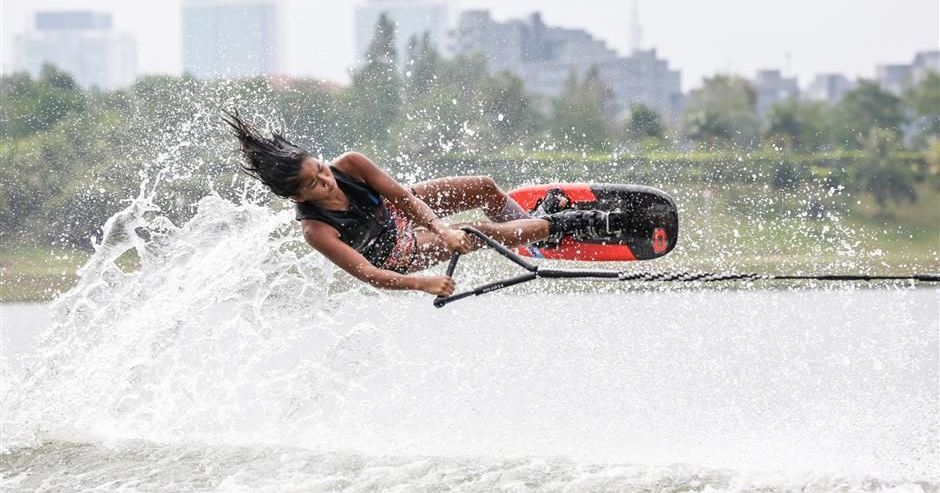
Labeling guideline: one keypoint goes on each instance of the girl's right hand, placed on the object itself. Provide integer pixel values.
(456, 240)
(438, 285)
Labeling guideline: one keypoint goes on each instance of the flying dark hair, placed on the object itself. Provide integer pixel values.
(274, 161)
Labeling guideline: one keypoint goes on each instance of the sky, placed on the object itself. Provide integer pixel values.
(698, 37)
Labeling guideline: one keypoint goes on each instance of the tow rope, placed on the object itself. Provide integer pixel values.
(534, 272)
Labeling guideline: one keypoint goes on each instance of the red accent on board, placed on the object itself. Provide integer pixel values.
(528, 196)
(570, 249)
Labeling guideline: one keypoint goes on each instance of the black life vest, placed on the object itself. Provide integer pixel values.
(367, 226)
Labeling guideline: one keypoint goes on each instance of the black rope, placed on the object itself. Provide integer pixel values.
(685, 276)
(733, 276)
(535, 272)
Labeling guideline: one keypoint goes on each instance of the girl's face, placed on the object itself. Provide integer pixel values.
(316, 181)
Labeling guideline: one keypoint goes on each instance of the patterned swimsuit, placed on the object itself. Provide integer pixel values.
(381, 232)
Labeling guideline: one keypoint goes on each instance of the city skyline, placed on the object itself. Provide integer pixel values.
(81, 43)
(698, 41)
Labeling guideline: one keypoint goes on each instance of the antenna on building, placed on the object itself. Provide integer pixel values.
(636, 32)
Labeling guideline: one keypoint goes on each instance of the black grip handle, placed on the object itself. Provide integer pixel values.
(502, 250)
(443, 300)
(453, 264)
(486, 288)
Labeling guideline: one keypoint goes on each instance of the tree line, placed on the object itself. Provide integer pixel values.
(70, 155)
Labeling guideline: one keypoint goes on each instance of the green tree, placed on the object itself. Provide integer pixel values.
(507, 111)
(437, 123)
(644, 122)
(881, 176)
(31, 106)
(582, 114)
(61, 184)
(723, 112)
(932, 163)
(310, 109)
(923, 101)
(708, 128)
(864, 108)
(801, 126)
(374, 96)
(163, 102)
(464, 72)
(644, 128)
(422, 67)
(444, 114)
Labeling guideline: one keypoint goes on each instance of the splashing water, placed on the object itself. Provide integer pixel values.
(233, 357)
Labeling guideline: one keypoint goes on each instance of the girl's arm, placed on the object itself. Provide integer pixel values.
(325, 239)
(402, 198)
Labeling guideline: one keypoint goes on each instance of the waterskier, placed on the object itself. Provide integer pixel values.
(381, 231)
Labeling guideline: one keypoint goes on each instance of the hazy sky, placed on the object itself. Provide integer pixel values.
(698, 37)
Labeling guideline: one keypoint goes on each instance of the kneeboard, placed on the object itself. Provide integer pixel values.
(652, 231)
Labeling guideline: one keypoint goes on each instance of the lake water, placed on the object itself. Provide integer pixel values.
(232, 358)
(811, 389)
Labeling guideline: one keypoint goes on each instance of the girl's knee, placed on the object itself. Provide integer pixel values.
(489, 184)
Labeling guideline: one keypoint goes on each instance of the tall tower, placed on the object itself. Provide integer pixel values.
(636, 32)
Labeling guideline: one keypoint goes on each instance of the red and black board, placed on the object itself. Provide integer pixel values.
(652, 230)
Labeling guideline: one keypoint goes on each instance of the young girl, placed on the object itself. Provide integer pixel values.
(380, 231)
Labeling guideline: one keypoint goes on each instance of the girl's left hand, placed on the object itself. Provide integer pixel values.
(456, 240)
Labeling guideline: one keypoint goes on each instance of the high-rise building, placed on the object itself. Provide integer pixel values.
(412, 18)
(543, 57)
(828, 88)
(897, 78)
(772, 88)
(924, 62)
(232, 38)
(81, 43)
(501, 42)
(893, 78)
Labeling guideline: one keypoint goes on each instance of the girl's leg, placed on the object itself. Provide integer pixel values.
(432, 251)
(446, 196)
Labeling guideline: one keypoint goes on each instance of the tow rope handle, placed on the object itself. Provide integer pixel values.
(533, 272)
(493, 286)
